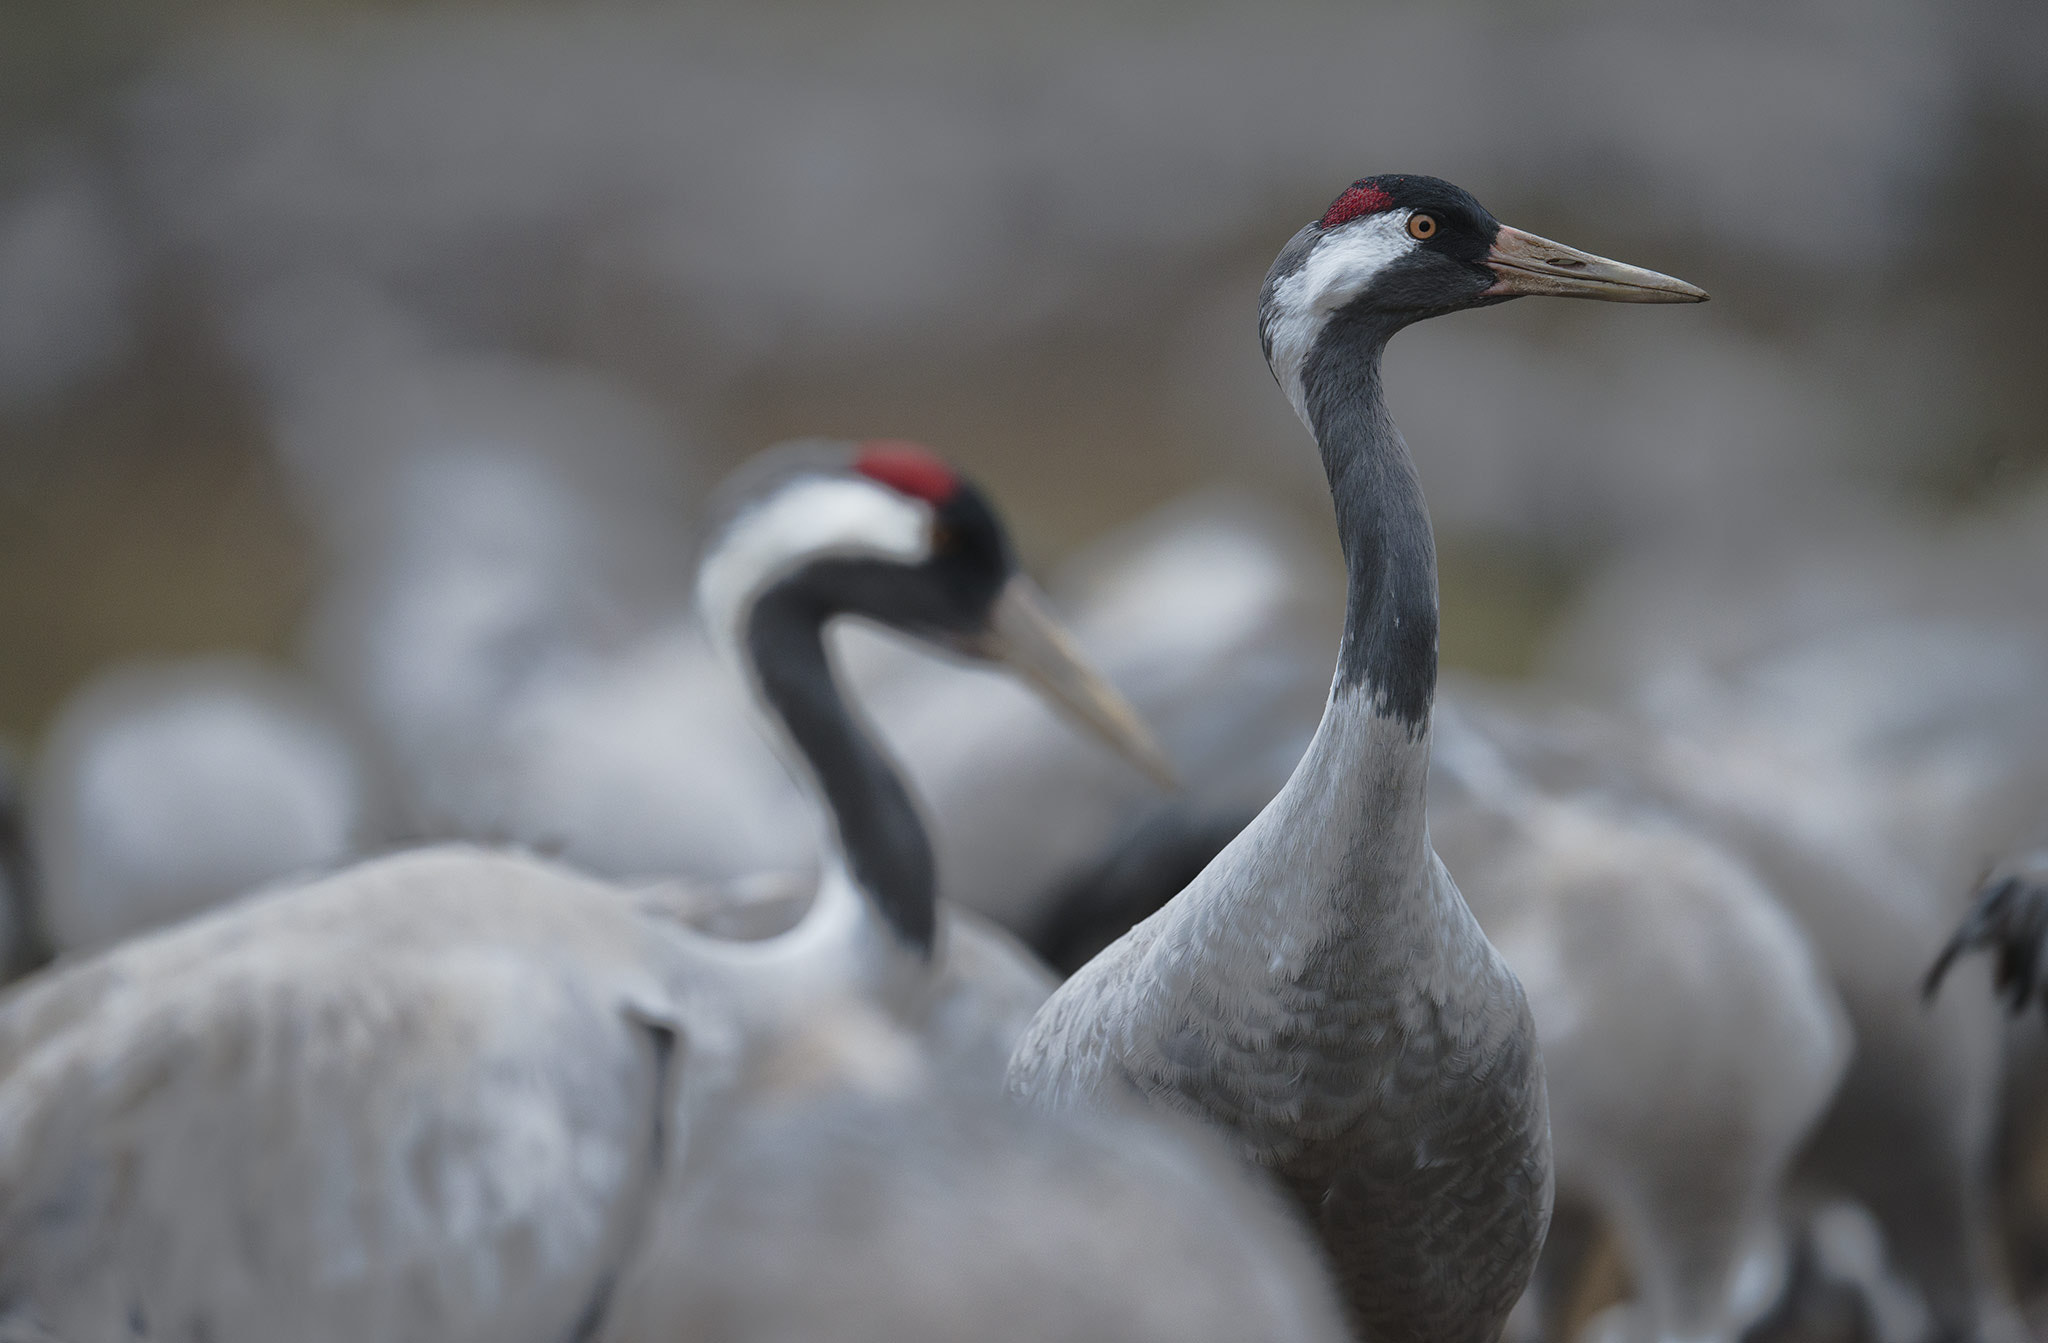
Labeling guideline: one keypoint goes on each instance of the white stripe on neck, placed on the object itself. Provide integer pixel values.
(1342, 266)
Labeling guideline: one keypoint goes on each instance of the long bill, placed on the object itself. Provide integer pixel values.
(1527, 264)
(1023, 635)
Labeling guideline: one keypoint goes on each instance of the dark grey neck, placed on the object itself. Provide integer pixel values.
(878, 827)
(1390, 618)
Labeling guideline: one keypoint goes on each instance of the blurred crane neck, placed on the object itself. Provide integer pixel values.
(874, 822)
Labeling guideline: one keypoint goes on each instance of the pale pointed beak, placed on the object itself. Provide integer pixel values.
(1023, 635)
(1527, 264)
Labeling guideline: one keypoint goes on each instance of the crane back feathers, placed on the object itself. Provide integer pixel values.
(478, 1046)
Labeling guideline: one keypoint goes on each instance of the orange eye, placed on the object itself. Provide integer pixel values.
(1421, 227)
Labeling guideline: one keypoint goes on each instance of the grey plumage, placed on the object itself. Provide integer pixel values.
(445, 1070)
(985, 988)
(1909, 1133)
(1350, 1028)
(887, 1202)
(1321, 991)
(1858, 712)
(1691, 1037)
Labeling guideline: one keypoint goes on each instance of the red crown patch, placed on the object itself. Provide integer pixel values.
(907, 468)
(1360, 198)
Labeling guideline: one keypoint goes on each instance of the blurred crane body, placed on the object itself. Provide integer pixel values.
(867, 1197)
(1865, 821)
(1691, 1039)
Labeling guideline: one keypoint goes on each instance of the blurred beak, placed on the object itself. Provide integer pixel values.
(1527, 264)
(1023, 636)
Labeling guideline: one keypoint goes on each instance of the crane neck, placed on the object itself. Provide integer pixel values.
(1334, 888)
(873, 823)
(1387, 663)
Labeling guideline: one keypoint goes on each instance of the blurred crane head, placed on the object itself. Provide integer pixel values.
(887, 531)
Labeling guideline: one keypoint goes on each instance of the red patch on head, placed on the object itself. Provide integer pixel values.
(908, 469)
(1360, 198)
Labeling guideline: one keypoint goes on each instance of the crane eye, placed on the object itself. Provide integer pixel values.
(1422, 227)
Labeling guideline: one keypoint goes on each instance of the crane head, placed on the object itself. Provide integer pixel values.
(1397, 248)
(889, 532)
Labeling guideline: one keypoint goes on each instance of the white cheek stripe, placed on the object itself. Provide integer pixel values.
(825, 517)
(1341, 268)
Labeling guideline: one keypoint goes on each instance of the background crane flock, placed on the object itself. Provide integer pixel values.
(495, 849)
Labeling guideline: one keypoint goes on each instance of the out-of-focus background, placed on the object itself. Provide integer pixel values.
(365, 370)
(253, 256)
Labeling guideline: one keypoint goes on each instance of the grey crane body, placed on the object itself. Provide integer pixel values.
(1321, 991)
(1354, 1033)
(1350, 1025)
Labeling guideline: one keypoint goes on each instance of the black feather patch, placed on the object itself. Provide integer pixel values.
(2010, 919)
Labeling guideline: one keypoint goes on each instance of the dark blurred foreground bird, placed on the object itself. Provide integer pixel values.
(1321, 992)
(433, 1096)
(2009, 920)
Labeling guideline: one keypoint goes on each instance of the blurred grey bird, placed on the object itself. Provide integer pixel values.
(866, 1196)
(1321, 992)
(1853, 769)
(166, 787)
(496, 530)
(502, 540)
(1691, 1039)
(432, 1095)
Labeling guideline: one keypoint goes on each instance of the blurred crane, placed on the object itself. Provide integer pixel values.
(433, 1094)
(864, 1197)
(1690, 1038)
(1843, 770)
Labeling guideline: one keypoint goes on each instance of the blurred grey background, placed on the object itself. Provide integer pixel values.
(254, 253)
